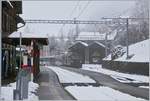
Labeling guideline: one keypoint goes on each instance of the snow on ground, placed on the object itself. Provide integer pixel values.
(125, 79)
(100, 94)
(147, 87)
(121, 77)
(66, 76)
(7, 92)
(32, 88)
(140, 52)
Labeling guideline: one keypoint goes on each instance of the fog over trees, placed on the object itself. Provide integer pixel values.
(138, 28)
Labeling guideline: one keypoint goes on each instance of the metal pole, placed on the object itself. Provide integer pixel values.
(76, 26)
(20, 78)
(77, 30)
(75, 22)
(106, 45)
(127, 40)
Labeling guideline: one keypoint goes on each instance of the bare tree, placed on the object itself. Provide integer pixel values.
(52, 44)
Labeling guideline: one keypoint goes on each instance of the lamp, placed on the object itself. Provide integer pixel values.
(20, 20)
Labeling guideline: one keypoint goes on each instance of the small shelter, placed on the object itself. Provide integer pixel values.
(83, 53)
(33, 40)
(91, 47)
(96, 52)
(78, 53)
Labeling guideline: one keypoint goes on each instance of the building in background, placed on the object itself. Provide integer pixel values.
(90, 47)
(33, 43)
(10, 19)
(45, 58)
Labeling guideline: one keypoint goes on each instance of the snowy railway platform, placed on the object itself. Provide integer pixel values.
(49, 86)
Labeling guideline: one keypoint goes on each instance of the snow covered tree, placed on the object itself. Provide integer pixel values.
(52, 44)
(138, 28)
(61, 43)
(70, 39)
(141, 31)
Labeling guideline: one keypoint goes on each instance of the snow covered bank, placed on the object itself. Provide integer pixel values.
(7, 92)
(140, 52)
(32, 89)
(147, 87)
(91, 66)
(66, 76)
(100, 94)
(121, 77)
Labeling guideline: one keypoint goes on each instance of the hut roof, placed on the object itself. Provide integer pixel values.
(28, 37)
(79, 43)
(98, 43)
(96, 36)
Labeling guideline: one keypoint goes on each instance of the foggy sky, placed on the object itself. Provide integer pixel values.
(62, 9)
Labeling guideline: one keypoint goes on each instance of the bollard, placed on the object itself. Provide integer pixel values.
(25, 81)
(17, 92)
(16, 95)
(21, 91)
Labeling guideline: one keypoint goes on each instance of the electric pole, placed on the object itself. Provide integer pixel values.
(77, 31)
(127, 31)
(127, 40)
(106, 45)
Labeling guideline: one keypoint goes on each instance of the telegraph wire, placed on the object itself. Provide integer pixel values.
(78, 2)
(84, 9)
(75, 7)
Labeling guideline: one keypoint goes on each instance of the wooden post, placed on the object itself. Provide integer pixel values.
(36, 61)
(20, 49)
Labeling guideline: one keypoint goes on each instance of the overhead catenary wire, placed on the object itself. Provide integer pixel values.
(84, 8)
(70, 15)
(80, 13)
(74, 9)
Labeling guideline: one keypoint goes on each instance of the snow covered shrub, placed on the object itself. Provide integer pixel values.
(117, 52)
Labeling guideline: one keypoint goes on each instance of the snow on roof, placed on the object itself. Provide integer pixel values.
(139, 50)
(112, 35)
(27, 35)
(90, 36)
(96, 36)
(52, 56)
(83, 43)
(98, 43)
(79, 42)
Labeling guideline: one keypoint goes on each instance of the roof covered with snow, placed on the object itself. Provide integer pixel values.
(79, 42)
(27, 35)
(98, 43)
(96, 36)
(140, 52)
(83, 43)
